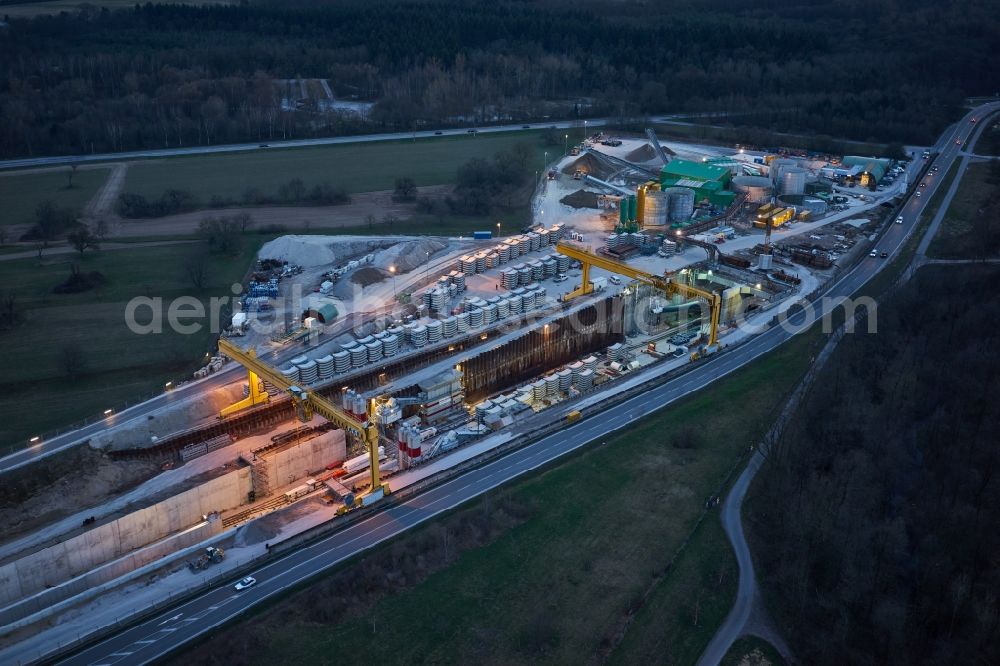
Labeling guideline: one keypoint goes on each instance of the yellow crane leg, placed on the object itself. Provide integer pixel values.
(585, 286)
(256, 397)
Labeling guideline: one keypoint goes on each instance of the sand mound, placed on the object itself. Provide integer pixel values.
(368, 275)
(403, 252)
(407, 255)
(589, 165)
(580, 199)
(643, 153)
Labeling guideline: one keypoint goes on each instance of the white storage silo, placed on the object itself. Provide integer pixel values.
(655, 208)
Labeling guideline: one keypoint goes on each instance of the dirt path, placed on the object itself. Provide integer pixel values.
(103, 202)
(294, 218)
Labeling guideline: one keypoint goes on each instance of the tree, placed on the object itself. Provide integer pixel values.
(221, 233)
(101, 228)
(10, 316)
(389, 220)
(81, 239)
(72, 360)
(196, 270)
(370, 221)
(49, 222)
(406, 189)
(244, 220)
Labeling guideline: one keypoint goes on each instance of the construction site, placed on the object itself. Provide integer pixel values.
(356, 367)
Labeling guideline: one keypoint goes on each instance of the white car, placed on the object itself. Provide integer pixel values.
(615, 279)
(899, 220)
(918, 194)
(249, 581)
(873, 253)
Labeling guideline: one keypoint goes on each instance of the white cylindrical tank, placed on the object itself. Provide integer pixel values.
(793, 180)
(655, 209)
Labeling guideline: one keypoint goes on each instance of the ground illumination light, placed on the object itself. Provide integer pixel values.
(758, 285)
(107, 412)
(168, 384)
(35, 440)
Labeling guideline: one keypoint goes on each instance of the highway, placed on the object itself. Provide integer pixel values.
(28, 162)
(156, 637)
(734, 624)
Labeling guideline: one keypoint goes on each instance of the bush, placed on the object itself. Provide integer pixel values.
(78, 282)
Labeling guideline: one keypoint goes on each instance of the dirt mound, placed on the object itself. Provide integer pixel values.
(408, 254)
(580, 199)
(643, 153)
(589, 165)
(367, 275)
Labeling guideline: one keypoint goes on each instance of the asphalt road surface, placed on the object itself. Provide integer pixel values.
(733, 626)
(156, 637)
(276, 145)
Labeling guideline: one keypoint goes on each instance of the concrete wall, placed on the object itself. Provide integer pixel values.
(298, 461)
(83, 553)
(110, 571)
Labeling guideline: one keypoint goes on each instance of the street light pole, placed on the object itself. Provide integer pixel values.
(565, 144)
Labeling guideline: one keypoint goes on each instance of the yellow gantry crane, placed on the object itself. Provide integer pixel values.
(664, 284)
(306, 404)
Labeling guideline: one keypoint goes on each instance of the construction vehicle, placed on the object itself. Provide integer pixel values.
(212, 555)
(667, 284)
(306, 404)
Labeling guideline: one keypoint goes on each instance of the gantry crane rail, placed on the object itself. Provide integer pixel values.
(666, 284)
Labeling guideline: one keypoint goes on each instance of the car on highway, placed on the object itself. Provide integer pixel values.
(525, 126)
(918, 194)
(472, 131)
(249, 581)
(883, 254)
(923, 184)
(264, 145)
(439, 133)
(958, 142)
(899, 220)
(873, 253)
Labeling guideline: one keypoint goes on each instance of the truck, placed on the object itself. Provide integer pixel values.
(361, 462)
(599, 284)
(297, 492)
(212, 555)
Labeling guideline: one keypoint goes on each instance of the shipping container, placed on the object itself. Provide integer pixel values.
(482, 235)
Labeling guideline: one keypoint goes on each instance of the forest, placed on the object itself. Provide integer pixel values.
(159, 75)
(873, 523)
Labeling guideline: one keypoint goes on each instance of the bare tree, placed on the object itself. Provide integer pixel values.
(81, 239)
(72, 361)
(244, 219)
(370, 220)
(101, 228)
(197, 270)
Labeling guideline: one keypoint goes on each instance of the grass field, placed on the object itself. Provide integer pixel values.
(118, 365)
(22, 193)
(359, 167)
(956, 237)
(591, 552)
